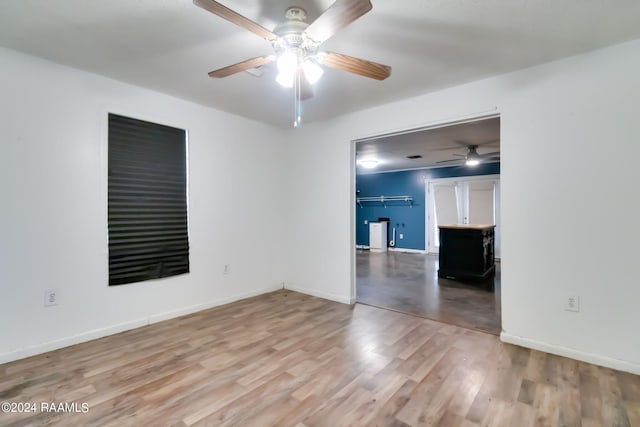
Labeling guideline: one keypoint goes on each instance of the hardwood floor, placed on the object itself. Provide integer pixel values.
(409, 283)
(288, 359)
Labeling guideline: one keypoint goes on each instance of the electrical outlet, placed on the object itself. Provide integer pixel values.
(401, 235)
(227, 269)
(51, 297)
(572, 303)
(366, 222)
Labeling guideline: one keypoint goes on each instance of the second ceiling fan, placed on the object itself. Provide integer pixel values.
(296, 44)
(472, 157)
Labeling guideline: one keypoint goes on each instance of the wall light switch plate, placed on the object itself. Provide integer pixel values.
(572, 303)
(401, 235)
(51, 297)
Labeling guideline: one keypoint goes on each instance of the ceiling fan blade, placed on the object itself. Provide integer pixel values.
(459, 155)
(443, 149)
(355, 65)
(241, 66)
(461, 143)
(339, 15)
(488, 143)
(235, 18)
(493, 153)
(450, 161)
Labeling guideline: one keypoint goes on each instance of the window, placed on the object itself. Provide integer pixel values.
(147, 206)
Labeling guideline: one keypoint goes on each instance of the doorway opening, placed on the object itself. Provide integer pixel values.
(409, 184)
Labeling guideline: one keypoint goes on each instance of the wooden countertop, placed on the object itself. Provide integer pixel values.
(468, 226)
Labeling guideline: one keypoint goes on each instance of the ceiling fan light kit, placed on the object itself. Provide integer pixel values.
(291, 62)
(296, 44)
(294, 50)
(473, 158)
(312, 71)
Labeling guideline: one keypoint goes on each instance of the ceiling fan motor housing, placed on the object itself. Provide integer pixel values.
(472, 154)
(290, 33)
(295, 13)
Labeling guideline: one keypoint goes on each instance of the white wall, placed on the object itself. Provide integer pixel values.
(320, 233)
(53, 227)
(570, 141)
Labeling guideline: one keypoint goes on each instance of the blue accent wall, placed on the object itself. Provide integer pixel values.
(410, 221)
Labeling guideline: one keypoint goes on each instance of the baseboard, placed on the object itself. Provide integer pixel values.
(125, 326)
(595, 359)
(321, 294)
(394, 249)
(407, 250)
(204, 306)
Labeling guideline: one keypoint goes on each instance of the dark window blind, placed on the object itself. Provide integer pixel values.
(147, 215)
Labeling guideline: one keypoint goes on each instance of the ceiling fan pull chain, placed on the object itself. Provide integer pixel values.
(297, 102)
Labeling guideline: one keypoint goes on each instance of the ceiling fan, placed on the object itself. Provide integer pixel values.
(472, 157)
(296, 46)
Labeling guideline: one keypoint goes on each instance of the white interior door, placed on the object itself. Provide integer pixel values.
(444, 209)
(481, 202)
(468, 200)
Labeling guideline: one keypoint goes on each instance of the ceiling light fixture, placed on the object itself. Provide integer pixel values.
(312, 71)
(296, 57)
(297, 46)
(369, 163)
(472, 158)
(293, 65)
(287, 67)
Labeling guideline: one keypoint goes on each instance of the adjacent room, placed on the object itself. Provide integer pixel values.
(408, 185)
(183, 237)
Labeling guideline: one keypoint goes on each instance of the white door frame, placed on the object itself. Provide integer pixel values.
(439, 123)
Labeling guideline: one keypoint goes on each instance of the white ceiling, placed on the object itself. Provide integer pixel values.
(434, 145)
(170, 45)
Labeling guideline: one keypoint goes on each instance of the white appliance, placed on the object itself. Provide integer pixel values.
(378, 236)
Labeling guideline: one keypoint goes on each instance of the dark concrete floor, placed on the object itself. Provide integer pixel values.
(409, 283)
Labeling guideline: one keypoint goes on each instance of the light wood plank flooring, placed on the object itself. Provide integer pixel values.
(288, 359)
